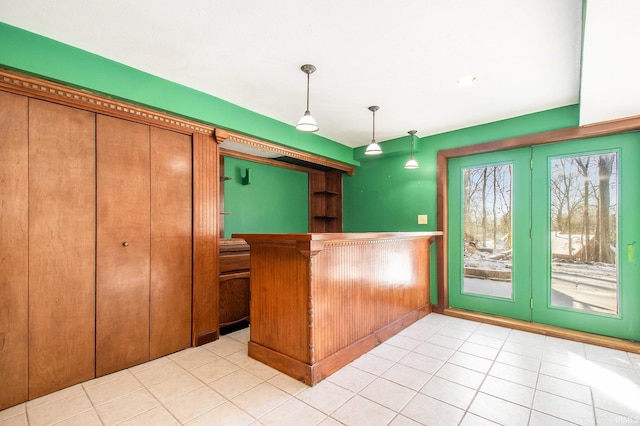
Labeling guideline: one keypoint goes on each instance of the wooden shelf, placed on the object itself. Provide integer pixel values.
(325, 202)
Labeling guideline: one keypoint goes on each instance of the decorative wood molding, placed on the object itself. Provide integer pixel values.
(78, 98)
(310, 337)
(311, 249)
(263, 160)
(82, 99)
(222, 135)
(206, 265)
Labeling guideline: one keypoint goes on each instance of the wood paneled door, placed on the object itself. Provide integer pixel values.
(171, 242)
(123, 244)
(108, 236)
(14, 248)
(61, 246)
(144, 258)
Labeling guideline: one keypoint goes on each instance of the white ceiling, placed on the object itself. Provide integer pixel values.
(610, 61)
(403, 55)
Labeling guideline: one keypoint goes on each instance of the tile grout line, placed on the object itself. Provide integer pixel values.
(429, 331)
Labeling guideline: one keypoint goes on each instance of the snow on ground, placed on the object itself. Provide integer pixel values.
(486, 260)
(582, 286)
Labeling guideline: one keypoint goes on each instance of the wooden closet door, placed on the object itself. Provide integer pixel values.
(171, 242)
(122, 276)
(61, 246)
(14, 246)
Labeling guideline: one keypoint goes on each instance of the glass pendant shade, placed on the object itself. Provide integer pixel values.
(373, 149)
(411, 163)
(307, 123)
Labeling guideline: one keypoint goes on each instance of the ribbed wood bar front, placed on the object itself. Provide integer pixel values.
(319, 301)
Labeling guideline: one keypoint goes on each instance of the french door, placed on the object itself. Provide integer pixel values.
(489, 222)
(548, 234)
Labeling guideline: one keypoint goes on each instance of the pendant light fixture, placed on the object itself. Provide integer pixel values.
(307, 122)
(373, 148)
(412, 163)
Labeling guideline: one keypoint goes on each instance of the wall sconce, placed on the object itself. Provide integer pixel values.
(307, 123)
(246, 179)
(412, 163)
(373, 148)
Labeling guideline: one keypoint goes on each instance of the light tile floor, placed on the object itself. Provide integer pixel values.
(439, 371)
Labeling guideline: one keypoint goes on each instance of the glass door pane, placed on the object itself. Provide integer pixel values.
(584, 232)
(487, 230)
(489, 247)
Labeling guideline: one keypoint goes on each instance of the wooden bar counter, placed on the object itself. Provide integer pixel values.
(319, 301)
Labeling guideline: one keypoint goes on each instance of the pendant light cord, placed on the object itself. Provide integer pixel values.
(373, 136)
(308, 91)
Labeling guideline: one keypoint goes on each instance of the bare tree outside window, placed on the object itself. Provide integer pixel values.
(487, 231)
(584, 240)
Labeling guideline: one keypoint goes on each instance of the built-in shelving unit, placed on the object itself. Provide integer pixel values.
(325, 201)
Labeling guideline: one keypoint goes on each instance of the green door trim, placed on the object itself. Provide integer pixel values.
(537, 306)
(519, 305)
(626, 323)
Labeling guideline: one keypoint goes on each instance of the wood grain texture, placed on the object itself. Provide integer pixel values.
(280, 296)
(171, 243)
(234, 298)
(442, 177)
(61, 246)
(370, 283)
(233, 282)
(14, 249)
(318, 301)
(222, 135)
(325, 202)
(123, 216)
(206, 182)
(230, 262)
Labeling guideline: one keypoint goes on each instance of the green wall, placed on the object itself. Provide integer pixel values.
(394, 196)
(381, 196)
(276, 200)
(43, 57)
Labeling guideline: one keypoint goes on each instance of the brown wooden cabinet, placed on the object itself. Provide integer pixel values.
(234, 283)
(325, 201)
(109, 247)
